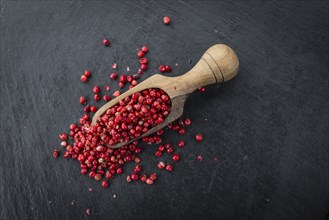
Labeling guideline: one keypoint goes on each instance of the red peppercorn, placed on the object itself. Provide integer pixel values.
(97, 97)
(106, 98)
(63, 136)
(93, 108)
(140, 54)
(105, 184)
(88, 211)
(106, 42)
(187, 122)
(55, 153)
(144, 49)
(121, 85)
(166, 20)
(87, 73)
(162, 69)
(83, 78)
(181, 144)
(143, 67)
(169, 167)
(129, 78)
(123, 78)
(153, 176)
(167, 68)
(73, 126)
(138, 168)
(158, 153)
(181, 131)
(101, 148)
(114, 76)
(143, 177)
(96, 89)
(161, 165)
(107, 88)
(161, 148)
(134, 83)
(119, 171)
(202, 89)
(83, 100)
(116, 93)
(98, 177)
(86, 108)
(149, 181)
(175, 157)
(198, 137)
(138, 150)
(134, 176)
(143, 60)
(170, 150)
(137, 160)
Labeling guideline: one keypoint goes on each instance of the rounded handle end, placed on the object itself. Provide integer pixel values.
(223, 62)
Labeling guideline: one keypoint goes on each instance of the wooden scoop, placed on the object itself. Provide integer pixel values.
(218, 64)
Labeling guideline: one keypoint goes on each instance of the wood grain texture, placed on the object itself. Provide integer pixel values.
(268, 126)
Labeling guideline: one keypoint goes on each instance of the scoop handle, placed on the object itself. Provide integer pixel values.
(218, 64)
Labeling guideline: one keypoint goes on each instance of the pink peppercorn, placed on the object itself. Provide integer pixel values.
(166, 20)
(175, 157)
(106, 98)
(134, 176)
(167, 68)
(106, 42)
(96, 89)
(202, 89)
(83, 78)
(140, 54)
(144, 49)
(161, 165)
(169, 167)
(97, 97)
(105, 184)
(162, 69)
(87, 73)
(113, 76)
(198, 137)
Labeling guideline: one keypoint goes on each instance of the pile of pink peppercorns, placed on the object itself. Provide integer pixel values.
(128, 119)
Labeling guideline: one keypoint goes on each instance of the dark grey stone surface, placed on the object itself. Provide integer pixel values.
(268, 127)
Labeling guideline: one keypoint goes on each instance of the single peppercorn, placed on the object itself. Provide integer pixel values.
(96, 89)
(82, 100)
(166, 20)
(83, 78)
(87, 73)
(202, 89)
(113, 76)
(105, 184)
(175, 157)
(106, 42)
(167, 68)
(161, 165)
(97, 97)
(198, 137)
(140, 54)
(55, 153)
(169, 167)
(162, 68)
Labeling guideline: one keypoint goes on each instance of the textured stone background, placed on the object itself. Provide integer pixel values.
(268, 127)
